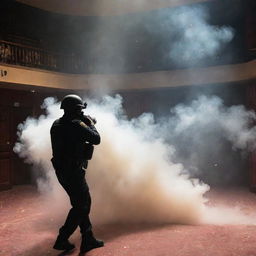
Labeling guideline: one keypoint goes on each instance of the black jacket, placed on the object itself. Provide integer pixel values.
(72, 138)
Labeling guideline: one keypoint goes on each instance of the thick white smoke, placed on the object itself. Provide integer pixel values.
(181, 36)
(235, 123)
(203, 131)
(132, 176)
(197, 38)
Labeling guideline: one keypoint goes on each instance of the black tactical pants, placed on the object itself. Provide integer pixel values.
(71, 177)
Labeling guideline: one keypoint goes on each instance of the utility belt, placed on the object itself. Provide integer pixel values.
(69, 170)
(79, 159)
(67, 162)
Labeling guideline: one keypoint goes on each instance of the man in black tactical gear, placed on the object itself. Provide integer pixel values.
(73, 137)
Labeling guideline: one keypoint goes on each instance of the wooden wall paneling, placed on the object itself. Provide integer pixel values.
(21, 171)
(15, 106)
(5, 164)
(5, 173)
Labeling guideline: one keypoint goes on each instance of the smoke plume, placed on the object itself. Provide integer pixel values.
(202, 133)
(134, 176)
(160, 39)
(197, 38)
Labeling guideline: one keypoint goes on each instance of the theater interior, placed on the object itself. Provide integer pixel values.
(160, 57)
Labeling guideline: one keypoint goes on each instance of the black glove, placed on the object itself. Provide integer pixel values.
(88, 120)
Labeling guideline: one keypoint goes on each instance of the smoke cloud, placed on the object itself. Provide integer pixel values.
(134, 176)
(160, 39)
(235, 122)
(203, 131)
(197, 39)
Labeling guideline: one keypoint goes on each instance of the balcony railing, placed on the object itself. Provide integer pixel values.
(17, 54)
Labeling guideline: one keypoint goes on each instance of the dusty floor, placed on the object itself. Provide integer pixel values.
(25, 231)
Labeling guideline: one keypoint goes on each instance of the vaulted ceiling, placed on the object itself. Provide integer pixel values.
(103, 7)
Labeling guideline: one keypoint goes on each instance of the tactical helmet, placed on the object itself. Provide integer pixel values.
(71, 101)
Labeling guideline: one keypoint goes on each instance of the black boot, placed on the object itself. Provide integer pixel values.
(90, 243)
(63, 244)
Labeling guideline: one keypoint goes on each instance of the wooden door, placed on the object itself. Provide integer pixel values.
(21, 171)
(5, 148)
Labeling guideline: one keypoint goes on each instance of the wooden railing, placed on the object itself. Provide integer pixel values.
(17, 54)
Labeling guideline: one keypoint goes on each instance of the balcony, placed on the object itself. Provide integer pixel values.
(18, 54)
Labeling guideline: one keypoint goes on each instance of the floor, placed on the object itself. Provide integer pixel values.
(25, 231)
